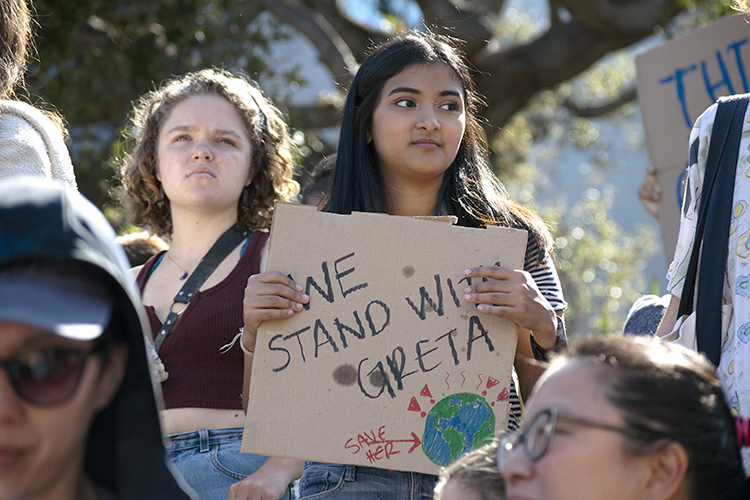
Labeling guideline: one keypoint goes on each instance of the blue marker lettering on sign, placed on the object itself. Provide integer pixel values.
(740, 65)
(680, 86)
(724, 82)
(714, 88)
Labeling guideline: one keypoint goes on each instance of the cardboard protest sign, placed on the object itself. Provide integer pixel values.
(670, 206)
(388, 366)
(677, 81)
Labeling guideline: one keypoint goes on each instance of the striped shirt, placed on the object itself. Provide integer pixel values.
(546, 279)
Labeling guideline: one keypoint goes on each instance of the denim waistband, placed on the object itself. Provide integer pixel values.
(202, 439)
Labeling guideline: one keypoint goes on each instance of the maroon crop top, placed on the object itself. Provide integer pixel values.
(199, 376)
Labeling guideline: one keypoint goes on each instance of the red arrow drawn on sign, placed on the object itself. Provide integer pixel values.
(414, 439)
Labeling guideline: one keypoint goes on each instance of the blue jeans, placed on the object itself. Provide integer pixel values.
(348, 482)
(210, 460)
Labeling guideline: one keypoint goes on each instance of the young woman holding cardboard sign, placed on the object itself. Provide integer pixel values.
(411, 144)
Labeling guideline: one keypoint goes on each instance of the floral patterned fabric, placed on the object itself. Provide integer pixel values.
(734, 363)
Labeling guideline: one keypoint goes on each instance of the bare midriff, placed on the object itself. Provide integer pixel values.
(179, 420)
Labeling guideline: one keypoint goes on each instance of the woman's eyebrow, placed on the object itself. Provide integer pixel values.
(191, 128)
(410, 90)
(181, 128)
(450, 92)
(229, 132)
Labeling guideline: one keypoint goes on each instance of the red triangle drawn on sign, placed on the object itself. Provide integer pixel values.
(503, 394)
(414, 405)
(492, 382)
(426, 392)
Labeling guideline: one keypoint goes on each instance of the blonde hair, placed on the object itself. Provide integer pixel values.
(742, 5)
(271, 164)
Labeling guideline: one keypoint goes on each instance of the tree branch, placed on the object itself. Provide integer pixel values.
(315, 117)
(509, 78)
(494, 6)
(554, 11)
(437, 9)
(625, 97)
(621, 17)
(468, 21)
(358, 38)
(334, 52)
(252, 9)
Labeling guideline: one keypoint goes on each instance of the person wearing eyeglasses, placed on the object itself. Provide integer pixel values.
(626, 419)
(78, 412)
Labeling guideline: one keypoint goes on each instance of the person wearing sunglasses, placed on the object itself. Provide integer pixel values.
(78, 413)
(626, 419)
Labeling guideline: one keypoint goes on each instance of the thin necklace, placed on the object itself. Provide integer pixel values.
(184, 270)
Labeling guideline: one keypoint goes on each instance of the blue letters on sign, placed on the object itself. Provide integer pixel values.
(724, 81)
(740, 65)
(680, 86)
(711, 86)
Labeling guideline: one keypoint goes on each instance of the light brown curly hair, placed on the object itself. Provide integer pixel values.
(742, 6)
(15, 41)
(271, 164)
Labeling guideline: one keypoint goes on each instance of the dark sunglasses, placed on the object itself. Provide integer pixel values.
(46, 376)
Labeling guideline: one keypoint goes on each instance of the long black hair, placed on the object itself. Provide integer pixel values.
(470, 190)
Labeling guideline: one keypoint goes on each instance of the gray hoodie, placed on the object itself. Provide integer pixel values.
(31, 145)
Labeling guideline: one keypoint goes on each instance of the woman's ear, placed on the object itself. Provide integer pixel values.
(111, 376)
(668, 469)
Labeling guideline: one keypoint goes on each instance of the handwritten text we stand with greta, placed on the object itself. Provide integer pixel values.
(371, 319)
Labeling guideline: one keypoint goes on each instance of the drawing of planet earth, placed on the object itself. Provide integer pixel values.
(456, 424)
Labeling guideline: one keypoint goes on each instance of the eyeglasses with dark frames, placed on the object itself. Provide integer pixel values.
(537, 437)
